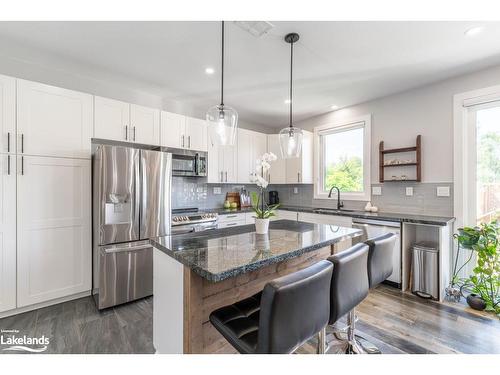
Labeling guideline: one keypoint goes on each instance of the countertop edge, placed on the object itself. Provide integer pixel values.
(382, 216)
(250, 267)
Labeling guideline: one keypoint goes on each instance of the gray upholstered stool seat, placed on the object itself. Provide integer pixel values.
(288, 312)
(348, 289)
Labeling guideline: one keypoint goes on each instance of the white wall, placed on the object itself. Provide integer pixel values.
(397, 119)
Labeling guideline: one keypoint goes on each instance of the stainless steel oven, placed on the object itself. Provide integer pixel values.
(188, 163)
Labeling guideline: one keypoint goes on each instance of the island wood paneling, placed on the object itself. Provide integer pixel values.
(202, 297)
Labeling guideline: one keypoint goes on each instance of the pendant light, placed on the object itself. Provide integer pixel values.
(222, 120)
(291, 137)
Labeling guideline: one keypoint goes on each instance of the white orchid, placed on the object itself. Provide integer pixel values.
(262, 166)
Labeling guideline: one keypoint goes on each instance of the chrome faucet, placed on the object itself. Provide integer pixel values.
(339, 203)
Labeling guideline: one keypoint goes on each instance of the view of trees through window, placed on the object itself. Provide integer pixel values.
(488, 164)
(343, 160)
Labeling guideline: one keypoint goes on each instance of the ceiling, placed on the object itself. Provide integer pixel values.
(336, 63)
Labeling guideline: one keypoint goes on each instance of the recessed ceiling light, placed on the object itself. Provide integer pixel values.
(473, 31)
(210, 70)
(287, 101)
(334, 107)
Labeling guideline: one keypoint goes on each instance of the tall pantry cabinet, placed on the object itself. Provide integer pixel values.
(7, 194)
(50, 181)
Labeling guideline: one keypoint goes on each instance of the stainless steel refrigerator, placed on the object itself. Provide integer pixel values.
(131, 203)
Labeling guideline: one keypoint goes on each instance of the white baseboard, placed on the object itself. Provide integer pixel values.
(43, 304)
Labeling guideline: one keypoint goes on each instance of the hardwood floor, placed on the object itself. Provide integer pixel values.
(396, 322)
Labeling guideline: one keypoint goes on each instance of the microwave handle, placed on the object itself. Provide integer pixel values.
(196, 164)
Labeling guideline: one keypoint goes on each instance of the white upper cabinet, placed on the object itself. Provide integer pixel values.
(7, 114)
(245, 160)
(251, 146)
(196, 134)
(277, 174)
(222, 164)
(52, 121)
(53, 229)
(111, 119)
(7, 232)
(183, 132)
(300, 170)
(144, 125)
(172, 130)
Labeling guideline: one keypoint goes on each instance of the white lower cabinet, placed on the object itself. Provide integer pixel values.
(231, 220)
(53, 228)
(341, 221)
(7, 233)
(285, 215)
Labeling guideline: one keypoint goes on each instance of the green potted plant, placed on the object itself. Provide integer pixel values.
(484, 283)
(262, 210)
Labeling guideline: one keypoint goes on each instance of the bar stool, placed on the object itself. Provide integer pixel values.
(349, 288)
(380, 252)
(289, 311)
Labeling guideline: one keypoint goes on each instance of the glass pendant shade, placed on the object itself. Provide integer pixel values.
(222, 125)
(290, 142)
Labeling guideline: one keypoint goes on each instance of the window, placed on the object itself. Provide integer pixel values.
(485, 120)
(477, 156)
(343, 159)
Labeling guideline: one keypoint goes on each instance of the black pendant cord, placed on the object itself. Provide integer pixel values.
(291, 81)
(222, 70)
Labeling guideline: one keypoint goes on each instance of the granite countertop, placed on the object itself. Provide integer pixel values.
(224, 253)
(384, 216)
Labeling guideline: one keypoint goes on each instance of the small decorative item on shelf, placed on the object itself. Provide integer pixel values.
(404, 177)
(476, 302)
(374, 209)
(368, 207)
(394, 178)
(262, 210)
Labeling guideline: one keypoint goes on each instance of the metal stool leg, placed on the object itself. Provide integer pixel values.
(322, 341)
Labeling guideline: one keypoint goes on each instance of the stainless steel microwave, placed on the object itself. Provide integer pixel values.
(189, 163)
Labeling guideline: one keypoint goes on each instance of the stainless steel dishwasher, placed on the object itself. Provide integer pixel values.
(373, 228)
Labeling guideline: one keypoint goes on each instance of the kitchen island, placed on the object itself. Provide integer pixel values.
(194, 274)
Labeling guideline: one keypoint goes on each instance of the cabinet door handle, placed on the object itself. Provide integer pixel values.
(22, 165)
(134, 132)
(230, 216)
(231, 224)
(221, 176)
(182, 142)
(22, 143)
(8, 141)
(126, 132)
(189, 141)
(8, 165)
(298, 176)
(226, 176)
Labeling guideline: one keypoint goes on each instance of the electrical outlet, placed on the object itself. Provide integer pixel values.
(376, 190)
(409, 190)
(443, 191)
(296, 190)
(217, 190)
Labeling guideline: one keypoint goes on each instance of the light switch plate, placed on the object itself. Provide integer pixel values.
(296, 190)
(409, 190)
(217, 190)
(443, 191)
(376, 190)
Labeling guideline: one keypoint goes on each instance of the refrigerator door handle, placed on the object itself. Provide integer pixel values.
(126, 249)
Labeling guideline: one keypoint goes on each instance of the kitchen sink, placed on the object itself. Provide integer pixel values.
(330, 210)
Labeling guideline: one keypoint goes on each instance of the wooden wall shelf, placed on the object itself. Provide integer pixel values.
(418, 163)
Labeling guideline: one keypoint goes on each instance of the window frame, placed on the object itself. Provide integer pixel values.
(334, 127)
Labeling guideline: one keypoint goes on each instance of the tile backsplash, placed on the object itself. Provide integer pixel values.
(196, 192)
